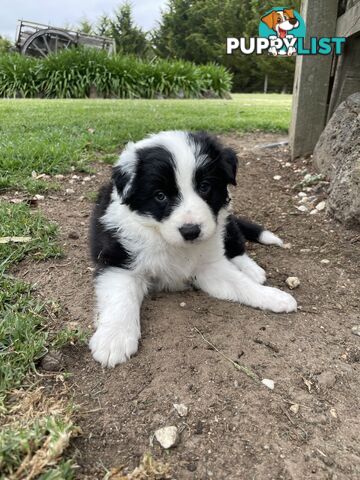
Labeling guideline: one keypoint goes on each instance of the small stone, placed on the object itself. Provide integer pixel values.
(52, 361)
(321, 206)
(69, 191)
(302, 208)
(292, 282)
(325, 261)
(59, 176)
(356, 330)
(313, 212)
(287, 164)
(87, 179)
(302, 194)
(182, 304)
(181, 409)
(277, 177)
(287, 246)
(295, 408)
(333, 413)
(74, 235)
(268, 383)
(168, 437)
(39, 197)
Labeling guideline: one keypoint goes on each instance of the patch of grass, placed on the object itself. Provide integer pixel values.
(51, 136)
(17, 220)
(32, 441)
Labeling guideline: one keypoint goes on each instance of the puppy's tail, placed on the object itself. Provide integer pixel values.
(257, 233)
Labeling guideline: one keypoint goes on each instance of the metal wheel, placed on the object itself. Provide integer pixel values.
(46, 41)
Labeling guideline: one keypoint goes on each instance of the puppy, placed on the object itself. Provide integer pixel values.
(282, 22)
(163, 223)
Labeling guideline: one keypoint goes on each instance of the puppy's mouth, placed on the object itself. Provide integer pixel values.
(282, 33)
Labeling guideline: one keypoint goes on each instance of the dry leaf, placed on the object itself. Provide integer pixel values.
(15, 239)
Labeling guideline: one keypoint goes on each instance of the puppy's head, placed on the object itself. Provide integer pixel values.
(281, 21)
(176, 183)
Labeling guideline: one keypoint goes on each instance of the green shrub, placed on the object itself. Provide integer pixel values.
(75, 73)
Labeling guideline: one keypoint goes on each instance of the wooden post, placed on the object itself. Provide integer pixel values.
(312, 79)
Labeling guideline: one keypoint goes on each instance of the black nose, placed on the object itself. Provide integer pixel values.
(293, 21)
(190, 231)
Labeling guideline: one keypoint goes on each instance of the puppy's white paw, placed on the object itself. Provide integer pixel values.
(277, 301)
(256, 273)
(110, 348)
(248, 266)
(269, 238)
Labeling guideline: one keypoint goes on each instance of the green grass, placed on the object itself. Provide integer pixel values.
(50, 136)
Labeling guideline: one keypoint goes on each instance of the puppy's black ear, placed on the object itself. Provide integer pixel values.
(121, 180)
(230, 163)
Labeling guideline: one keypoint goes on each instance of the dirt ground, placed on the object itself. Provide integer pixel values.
(308, 427)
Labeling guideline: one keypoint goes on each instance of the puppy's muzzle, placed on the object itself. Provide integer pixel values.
(190, 231)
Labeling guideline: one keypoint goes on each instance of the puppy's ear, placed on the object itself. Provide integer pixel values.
(269, 20)
(121, 180)
(230, 164)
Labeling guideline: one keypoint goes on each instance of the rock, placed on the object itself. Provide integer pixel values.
(59, 176)
(277, 177)
(181, 409)
(325, 261)
(168, 437)
(321, 206)
(292, 282)
(69, 191)
(302, 208)
(313, 212)
(74, 235)
(302, 194)
(268, 383)
(182, 304)
(337, 156)
(356, 330)
(52, 361)
(295, 408)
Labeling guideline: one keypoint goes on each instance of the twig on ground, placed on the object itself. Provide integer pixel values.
(242, 368)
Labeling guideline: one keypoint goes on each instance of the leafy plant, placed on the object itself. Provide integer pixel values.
(77, 73)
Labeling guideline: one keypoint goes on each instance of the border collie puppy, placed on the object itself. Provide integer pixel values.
(163, 223)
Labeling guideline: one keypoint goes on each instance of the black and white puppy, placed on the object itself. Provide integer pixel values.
(163, 223)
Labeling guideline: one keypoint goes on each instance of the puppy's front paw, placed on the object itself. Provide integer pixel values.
(278, 301)
(110, 348)
(256, 273)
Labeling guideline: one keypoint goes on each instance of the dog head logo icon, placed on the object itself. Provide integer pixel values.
(284, 24)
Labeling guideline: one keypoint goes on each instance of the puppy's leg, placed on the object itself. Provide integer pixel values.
(119, 295)
(223, 280)
(247, 265)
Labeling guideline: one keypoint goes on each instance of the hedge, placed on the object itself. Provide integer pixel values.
(79, 73)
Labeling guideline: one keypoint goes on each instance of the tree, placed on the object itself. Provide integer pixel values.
(86, 27)
(197, 31)
(5, 45)
(129, 38)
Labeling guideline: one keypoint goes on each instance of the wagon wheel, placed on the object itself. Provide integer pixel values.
(46, 41)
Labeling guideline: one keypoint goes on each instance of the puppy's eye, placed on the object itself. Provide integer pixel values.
(160, 197)
(204, 188)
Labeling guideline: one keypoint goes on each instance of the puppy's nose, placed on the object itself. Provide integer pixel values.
(190, 231)
(293, 21)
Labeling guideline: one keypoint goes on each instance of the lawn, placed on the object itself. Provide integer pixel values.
(51, 136)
